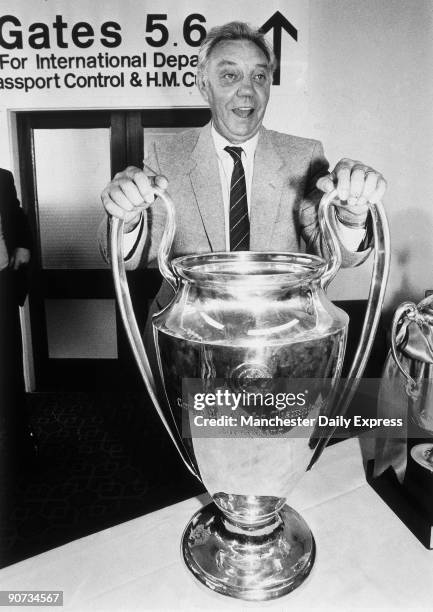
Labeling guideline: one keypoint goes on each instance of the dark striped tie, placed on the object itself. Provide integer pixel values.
(239, 221)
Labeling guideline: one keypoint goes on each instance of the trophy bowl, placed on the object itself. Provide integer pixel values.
(245, 325)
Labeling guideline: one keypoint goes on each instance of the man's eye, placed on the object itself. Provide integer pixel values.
(260, 77)
(229, 76)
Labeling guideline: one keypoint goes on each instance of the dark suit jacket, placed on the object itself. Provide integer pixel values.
(15, 228)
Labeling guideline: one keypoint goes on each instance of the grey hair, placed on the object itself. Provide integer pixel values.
(235, 30)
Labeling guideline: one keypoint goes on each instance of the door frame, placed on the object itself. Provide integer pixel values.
(126, 148)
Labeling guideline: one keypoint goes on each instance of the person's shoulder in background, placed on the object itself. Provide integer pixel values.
(7, 180)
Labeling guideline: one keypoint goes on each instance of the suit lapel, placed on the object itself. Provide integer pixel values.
(268, 181)
(270, 171)
(206, 184)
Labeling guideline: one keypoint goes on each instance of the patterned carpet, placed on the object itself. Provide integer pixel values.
(101, 460)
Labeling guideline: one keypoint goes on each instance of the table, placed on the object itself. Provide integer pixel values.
(366, 558)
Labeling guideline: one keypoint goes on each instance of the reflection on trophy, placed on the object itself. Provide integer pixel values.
(242, 318)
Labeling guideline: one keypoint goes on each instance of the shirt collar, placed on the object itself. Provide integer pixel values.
(249, 146)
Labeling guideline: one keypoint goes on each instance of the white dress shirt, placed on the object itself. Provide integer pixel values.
(225, 166)
(350, 237)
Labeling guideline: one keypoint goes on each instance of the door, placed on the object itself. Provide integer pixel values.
(66, 158)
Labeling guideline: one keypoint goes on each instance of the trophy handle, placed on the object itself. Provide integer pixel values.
(376, 296)
(330, 237)
(167, 239)
(127, 311)
(409, 310)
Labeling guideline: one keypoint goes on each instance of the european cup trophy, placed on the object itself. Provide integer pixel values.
(242, 322)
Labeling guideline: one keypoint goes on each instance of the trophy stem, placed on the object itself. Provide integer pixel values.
(251, 562)
(259, 529)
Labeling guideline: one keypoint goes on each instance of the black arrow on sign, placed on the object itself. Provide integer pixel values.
(278, 22)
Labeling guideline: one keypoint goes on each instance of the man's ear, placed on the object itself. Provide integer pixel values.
(202, 85)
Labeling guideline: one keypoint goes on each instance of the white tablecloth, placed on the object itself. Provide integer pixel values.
(366, 558)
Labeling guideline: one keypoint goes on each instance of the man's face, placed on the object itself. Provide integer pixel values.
(236, 86)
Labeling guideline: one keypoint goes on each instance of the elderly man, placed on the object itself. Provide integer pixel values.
(235, 184)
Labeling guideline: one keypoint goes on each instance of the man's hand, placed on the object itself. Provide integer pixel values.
(356, 185)
(20, 257)
(129, 193)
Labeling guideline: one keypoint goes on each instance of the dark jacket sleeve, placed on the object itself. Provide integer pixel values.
(14, 221)
(16, 232)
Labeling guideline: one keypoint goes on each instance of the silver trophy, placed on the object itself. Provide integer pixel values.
(411, 348)
(250, 319)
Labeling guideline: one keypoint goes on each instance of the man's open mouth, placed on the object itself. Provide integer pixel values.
(243, 111)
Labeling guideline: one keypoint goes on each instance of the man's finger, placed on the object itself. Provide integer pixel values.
(345, 162)
(342, 173)
(113, 209)
(116, 194)
(357, 178)
(370, 184)
(377, 195)
(325, 183)
(131, 191)
(143, 184)
(130, 180)
(161, 182)
(130, 172)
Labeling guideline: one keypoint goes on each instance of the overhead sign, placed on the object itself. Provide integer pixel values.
(51, 47)
(276, 24)
(57, 54)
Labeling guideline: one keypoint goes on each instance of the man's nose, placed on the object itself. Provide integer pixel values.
(245, 87)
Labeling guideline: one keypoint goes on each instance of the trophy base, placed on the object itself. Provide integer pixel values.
(254, 565)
